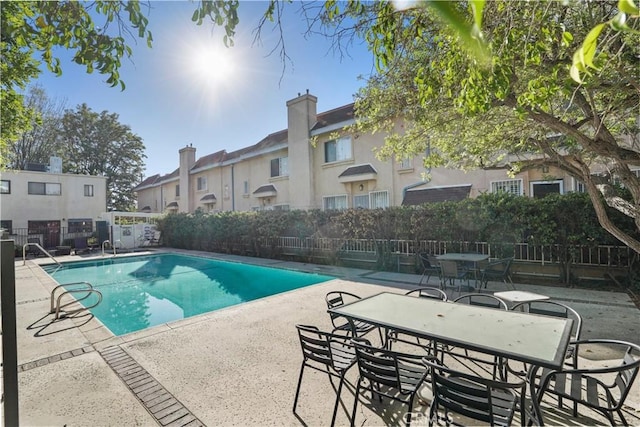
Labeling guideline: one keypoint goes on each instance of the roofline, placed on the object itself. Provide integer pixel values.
(333, 127)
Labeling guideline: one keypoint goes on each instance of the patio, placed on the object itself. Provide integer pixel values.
(240, 365)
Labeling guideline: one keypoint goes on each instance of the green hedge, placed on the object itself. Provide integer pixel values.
(499, 219)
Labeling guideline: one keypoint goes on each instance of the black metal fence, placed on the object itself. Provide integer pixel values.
(48, 238)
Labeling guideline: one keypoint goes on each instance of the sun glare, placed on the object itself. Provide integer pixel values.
(212, 66)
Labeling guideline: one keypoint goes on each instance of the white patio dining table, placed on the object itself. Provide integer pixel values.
(540, 341)
(465, 257)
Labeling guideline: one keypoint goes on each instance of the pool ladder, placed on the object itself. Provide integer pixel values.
(56, 306)
(37, 245)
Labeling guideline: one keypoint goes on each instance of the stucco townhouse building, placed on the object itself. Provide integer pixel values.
(316, 163)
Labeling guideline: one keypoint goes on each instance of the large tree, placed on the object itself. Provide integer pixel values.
(520, 104)
(98, 144)
(40, 141)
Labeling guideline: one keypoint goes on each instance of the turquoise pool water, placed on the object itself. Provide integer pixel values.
(144, 291)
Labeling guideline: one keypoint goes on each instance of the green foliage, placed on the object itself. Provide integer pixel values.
(524, 106)
(98, 144)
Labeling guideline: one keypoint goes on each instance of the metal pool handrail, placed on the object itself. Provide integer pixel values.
(56, 307)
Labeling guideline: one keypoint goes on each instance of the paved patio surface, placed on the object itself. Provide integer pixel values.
(236, 366)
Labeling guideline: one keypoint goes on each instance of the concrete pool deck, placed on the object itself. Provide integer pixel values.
(235, 366)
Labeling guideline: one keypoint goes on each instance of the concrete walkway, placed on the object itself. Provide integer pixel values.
(236, 366)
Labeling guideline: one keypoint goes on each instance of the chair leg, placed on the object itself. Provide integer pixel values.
(355, 403)
(335, 407)
(295, 401)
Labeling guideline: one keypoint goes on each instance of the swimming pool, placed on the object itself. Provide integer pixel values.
(144, 291)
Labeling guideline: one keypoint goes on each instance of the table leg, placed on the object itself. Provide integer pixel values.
(536, 415)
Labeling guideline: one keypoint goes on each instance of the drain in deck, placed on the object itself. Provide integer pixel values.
(161, 404)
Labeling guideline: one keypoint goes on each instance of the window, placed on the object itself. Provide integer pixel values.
(80, 225)
(406, 163)
(361, 201)
(5, 186)
(334, 202)
(201, 183)
(512, 186)
(337, 150)
(6, 224)
(280, 207)
(379, 199)
(88, 190)
(539, 189)
(177, 190)
(579, 186)
(245, 187)
(280, 167)
(44, 188)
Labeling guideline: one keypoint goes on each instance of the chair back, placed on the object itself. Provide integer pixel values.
(449, 268)
(483, 300)
(482, 399)
(627, 375)
(554, 309)
(335, 351)
(428, 292)
(336, 299)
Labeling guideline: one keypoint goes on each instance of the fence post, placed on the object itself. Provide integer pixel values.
(9, 338)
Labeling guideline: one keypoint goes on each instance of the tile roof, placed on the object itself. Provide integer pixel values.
(331, 117)
(358, 170)
(265, 189)
(210, 159)
(208, 197)
(172, 205)
(147, 181)
(433, 195)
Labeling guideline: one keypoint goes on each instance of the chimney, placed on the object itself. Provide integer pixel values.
(301, 117)
(187, 160)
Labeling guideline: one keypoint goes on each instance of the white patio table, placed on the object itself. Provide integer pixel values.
(540, 341)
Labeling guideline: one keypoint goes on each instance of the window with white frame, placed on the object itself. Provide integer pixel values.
(177, 190)
(245, 187)
(379, 199)
(337, 150)
(334, 202)
(88, 190)
(279, 167)
(540, 189)
(201, 183)
(5, 186)
(44, 188)
(282, 207)
(361, 201)
(579, 186)
(512, 186)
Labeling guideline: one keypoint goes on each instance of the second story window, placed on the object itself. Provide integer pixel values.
(5, 186)
(337, 150)
(177, 191)
(88, 190)
(280, 167)
(201, 184)
(44, 188)
(246, 187)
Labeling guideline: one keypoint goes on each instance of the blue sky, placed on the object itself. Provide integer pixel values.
(169, 102)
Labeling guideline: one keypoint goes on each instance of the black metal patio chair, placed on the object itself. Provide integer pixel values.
(397, 376)
(429, 266)
(490, 401)
(497, 271)
(325, 352)
(340, 324)
(603, 389)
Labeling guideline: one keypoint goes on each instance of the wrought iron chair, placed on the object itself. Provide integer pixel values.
(483, 300)
(452, 271)
(554, 309)
(328, 353)
(601, 389)
(423, 292)
(497, 271)
(336, 299)
(400, 374)
(429, 266)
(481, 399)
